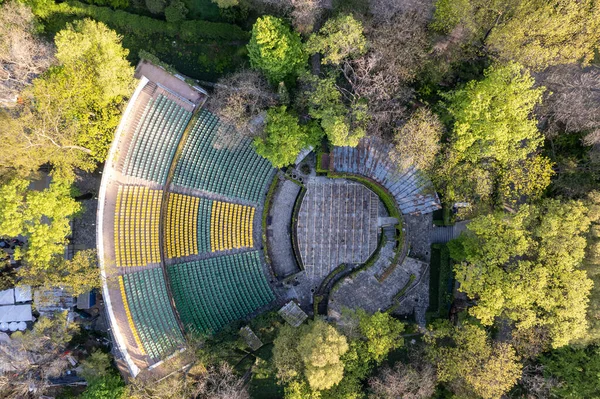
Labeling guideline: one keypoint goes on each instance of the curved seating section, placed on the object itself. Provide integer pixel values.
(231, 226)
(137, 215)
(213, 292)
(238, 172)
(134, 332)
(151, 312)
(155, 139)
(414, 193)
(181, 228)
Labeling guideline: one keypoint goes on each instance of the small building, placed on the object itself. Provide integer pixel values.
(292, 314)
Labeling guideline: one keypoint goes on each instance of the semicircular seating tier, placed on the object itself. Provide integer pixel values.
(413, 191)
(178, 234)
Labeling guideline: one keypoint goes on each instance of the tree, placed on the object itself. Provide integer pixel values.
(305, 14)
(284, 137)
(78, 275)
(275, 49)
(312, 351)
(526, 267)
(241, 100)
(320, 349)
(576, 370)
(417, 142)
(156, 6)
(23, 54)
(383, 333)
(405, 381)
(340, 38)
(226, 3)
(532, 32)
(103, 381)
(33, 356)
(397, 51)
(492, 131)
(472, 361)
(343, 124)
(42, 217)
(536, 33)
(176, 11)
(70, 113)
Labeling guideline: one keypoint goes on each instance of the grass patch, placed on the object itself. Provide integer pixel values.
(441, 281)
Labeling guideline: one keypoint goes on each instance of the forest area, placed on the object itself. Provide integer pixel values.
(497, 102)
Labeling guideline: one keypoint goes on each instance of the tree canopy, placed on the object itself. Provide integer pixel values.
(479, 365)
(283, 137)
(526, 267)
(494, 136)
(339, 38)
(275, 49)
(312, 351)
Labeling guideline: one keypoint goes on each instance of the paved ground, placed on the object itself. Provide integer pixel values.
(279, 230)
(366, 292)
(84, 226)
(337, 224)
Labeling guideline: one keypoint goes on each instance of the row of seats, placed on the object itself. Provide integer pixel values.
(214, 292)
(413, 191)
(151, 312)
(231, 226)
(237, 172)
(155, 140)
(134, 332)
(137, 215)
(181, 228)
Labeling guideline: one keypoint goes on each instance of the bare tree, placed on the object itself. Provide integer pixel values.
(30, 358)
(305, 14)
(23, 54)
(240, 100)
(382, 76)
(385, 10)
(414, 381)
(572, 102)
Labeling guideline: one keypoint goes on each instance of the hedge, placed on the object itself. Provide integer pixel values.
(441, 279)
(145, 27)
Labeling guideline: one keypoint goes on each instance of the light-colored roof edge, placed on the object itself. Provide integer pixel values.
(106, 177)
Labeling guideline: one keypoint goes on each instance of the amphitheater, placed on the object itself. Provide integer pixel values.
(179, 225)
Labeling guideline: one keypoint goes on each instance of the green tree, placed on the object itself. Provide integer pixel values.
(340, 38)
(275, 49)
(533, 32)
(383, 333)
(176, 11)
(536, 33)
(343, 124)
(526, 267)
(492, 132)
(70, 113)
(312, 351)
(156, 6)
(42, 217)
(576, 369)
(284, 137)
(466, 355)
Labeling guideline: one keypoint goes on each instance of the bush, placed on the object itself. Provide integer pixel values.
(156, 6)
(176, 11)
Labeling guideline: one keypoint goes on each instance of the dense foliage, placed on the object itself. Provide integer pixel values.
(526, 267)
(284, 138)
(275, 49)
